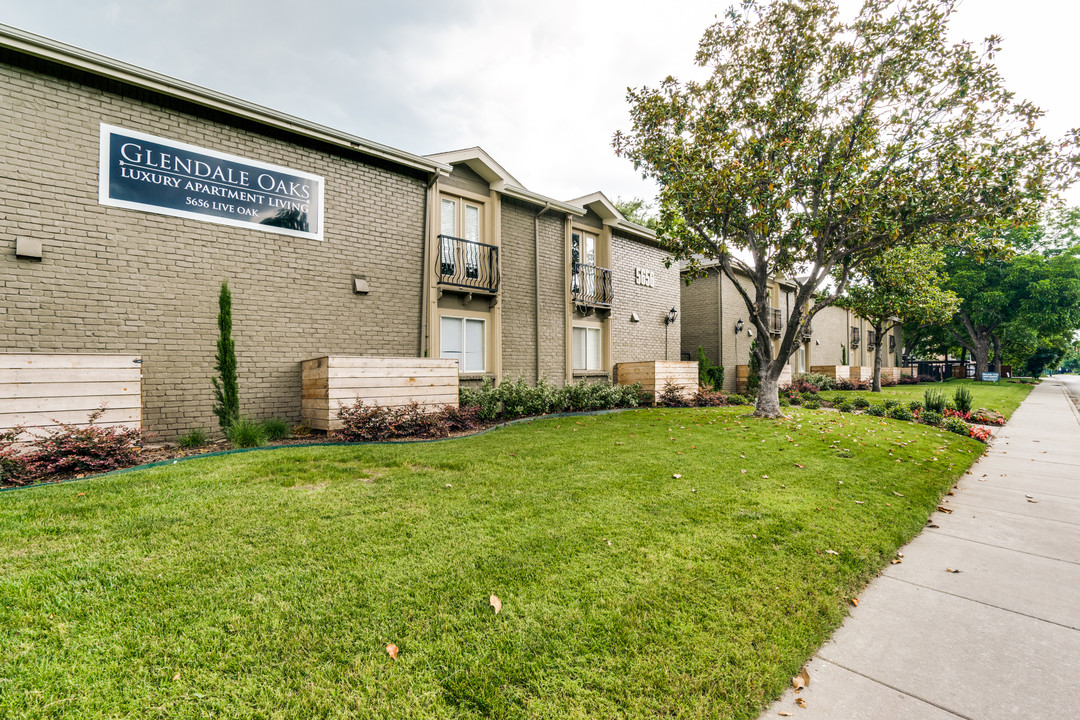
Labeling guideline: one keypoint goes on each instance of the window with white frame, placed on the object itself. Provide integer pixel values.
(462, 339)
(588, 348)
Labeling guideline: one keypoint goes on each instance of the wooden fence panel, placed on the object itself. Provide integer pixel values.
(332, 381)
(40, 390)
(654, 375)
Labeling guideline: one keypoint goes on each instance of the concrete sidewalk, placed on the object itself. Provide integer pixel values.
(999, 639)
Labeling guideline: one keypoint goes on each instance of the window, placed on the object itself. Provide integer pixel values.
(460, 220)
(587, 348)
(854, 336)
(462, 339)
(800, 360)
(583, 252)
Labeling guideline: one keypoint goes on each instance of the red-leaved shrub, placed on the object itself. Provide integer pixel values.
(372, 423)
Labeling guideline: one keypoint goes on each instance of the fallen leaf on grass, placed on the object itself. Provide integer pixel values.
(496, 603)
(860, 502)
(743, 472)
(897, 494)
(176, 677)
(801, 703)
(392, 650)
(832, 552)
(81, 494)
(676, 476)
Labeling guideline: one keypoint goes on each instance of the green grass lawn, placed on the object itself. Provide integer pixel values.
(1002, 396)
(268, 584)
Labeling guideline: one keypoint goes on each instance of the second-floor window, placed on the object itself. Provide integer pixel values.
(582, 252)
(460, 219)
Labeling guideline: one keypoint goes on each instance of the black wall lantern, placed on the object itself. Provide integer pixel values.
(672, 316)
(738, 326)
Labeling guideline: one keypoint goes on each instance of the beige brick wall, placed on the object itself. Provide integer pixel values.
(700, 316)
(121, 281)
(519, 293)
(644, 340)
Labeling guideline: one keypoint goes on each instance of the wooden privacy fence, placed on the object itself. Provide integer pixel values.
(332, 381)
(742, 377)
(654, 375)
(40, 390)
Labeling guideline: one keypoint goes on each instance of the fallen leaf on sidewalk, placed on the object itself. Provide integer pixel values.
(932, 525)
(800, 702)
(951, 570)
(1032, 501)
(855, 602)
(945, 510)
(785, 713)
(801, 680)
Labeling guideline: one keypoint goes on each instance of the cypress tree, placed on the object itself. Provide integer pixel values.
(226, 389)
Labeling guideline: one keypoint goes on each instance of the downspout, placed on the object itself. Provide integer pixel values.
(536, 284)
(425, 294)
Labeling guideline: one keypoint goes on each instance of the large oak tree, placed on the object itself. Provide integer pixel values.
(813, 144)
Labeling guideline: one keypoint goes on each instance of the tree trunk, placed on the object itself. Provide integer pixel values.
(982, 354)
(768, 394)
(997, 354)
(876, 385)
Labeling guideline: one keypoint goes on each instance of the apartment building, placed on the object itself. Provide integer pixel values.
(129, 196)
(714, 317)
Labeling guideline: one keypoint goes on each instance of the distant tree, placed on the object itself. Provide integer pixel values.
(902, 285)
(815, 144)
(1014, 302)
(637, 210)
(226, 385)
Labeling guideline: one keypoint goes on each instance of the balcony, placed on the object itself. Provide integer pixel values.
(807, 332)
(591, 286)
(855, 337)
(467, 264)
(776, 321)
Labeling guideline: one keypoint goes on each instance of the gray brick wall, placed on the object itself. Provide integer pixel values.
(115, 280)
(699, 319)
(644, 340)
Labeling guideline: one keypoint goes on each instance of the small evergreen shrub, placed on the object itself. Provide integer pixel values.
(861, 402)
(837, 399)
(962, 399)
(844, 406)
(956, 425)
(890, 403)
(709, 375)
(915, 406)
(929, 417)
(275, 429)
(812, 404)
(194, 438)
(245, 432)
(876, 411)
(899, 412)
(738, 400)
(934, 401)
(785, 402)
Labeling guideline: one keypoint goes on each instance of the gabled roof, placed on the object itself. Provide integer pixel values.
(477, 160)
(599, 203)
(32, 45)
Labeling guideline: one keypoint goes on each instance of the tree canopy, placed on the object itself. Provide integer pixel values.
(814, 144)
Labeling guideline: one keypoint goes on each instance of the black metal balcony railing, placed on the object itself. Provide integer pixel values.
(776, 321)
(591, 285)
(468, 264)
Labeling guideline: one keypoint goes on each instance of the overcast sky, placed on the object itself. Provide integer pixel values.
(540, 85)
